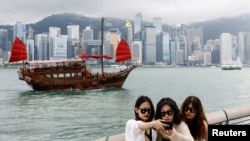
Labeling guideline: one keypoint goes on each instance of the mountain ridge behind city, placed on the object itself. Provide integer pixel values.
(211, 28)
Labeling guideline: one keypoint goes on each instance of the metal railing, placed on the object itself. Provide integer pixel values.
(233, 116)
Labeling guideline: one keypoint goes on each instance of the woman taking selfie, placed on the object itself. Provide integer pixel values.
(168, 111)
(143, 127)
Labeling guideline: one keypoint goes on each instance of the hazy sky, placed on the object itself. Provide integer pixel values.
(171, 11)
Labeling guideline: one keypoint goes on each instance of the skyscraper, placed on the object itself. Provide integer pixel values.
(241, 46)
(150, 44)
(226, 47)
(88, 33)
(73, 34)
(74, 40)
(19, 30)
(247, 48)
(30, 33)
(138, 27)
(181, 47)
(157, 22)
(172, 52)
(166, 47)
(114, 38)
(59, 47)
(42, 48)
(53, 32)
(137, 52)
(129, 34)
(4, 46)
(30, 49)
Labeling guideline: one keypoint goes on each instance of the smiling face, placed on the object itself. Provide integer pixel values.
(167, 113)
(144, 111)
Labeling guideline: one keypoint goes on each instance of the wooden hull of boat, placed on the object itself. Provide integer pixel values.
(39, 81)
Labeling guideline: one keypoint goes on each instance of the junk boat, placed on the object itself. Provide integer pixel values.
(70, 74)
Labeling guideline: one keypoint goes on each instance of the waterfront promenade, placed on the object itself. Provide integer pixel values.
(234, 116)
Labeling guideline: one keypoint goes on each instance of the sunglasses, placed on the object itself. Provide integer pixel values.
(169, 113)
(192, 110)
(143, 111)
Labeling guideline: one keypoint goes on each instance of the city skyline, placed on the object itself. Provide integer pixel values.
(181, 49)
(193, 11)
(188, 43)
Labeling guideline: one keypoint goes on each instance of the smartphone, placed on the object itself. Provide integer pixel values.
(170, 125)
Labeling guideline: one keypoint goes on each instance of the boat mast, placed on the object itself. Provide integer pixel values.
(102, 28)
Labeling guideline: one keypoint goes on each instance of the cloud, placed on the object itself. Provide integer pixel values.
(171, 11)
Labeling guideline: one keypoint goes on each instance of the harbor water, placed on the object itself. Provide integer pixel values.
(27, 115)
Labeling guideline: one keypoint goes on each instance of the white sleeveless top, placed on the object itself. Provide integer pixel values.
(134, 133)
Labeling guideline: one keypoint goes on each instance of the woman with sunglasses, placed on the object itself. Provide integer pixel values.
(194, 116)
(168, 111)
(143, 127)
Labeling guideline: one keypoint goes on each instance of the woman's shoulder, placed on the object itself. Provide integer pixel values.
(182, 132)
(182, 126)
(130, 121)
(205, 124)
(133, 121)
(183, 123)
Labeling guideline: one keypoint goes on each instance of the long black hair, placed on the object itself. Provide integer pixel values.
(139, 101)
(196, 126)
(168, 101)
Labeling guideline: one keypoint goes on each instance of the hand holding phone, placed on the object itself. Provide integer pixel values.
(169, 125)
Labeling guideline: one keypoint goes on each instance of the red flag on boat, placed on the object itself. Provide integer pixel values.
(18, 51)
(123, 51)
(94, 56)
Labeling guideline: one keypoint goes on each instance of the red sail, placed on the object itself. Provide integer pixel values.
(18, 51)
(123, 51)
